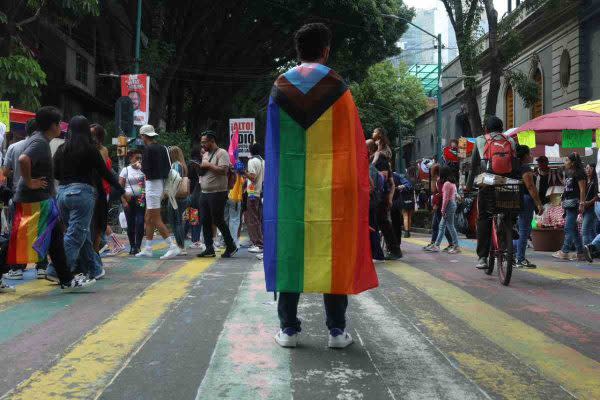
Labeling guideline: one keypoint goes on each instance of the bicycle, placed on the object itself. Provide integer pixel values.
(507, 202)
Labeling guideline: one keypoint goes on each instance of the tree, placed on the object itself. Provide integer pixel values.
(20, 74)
(389, 88)
(504, 44)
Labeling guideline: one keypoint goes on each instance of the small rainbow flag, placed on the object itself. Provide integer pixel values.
(31, 231)
(316, 188)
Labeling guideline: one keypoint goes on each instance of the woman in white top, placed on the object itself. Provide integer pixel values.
(132, 179)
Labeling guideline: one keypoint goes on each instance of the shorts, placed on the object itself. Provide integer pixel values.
(154, 191)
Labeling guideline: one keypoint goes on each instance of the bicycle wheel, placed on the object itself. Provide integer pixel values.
(506, 257)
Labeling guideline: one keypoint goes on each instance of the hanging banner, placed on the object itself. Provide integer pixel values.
(5, 114)
(246, 128)
(527, 138)
(137, 87)
(576, 139)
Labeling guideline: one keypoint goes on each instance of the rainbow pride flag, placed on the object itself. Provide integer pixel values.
(316, 188)
(31, 231)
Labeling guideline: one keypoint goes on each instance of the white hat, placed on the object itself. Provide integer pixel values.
(148, 130)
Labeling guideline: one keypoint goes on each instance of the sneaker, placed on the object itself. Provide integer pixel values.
(173, 251)
(40, 273)
(577, 257)
(434, 249)
(14, 275)
(100, 275)
(406, 234)
(588, 252)
(447, 248)
(482, 263)
(132, 251)
(196, 245)
(116, 251)
(147, 252)
(454, 250)
(229, 253)
(80, 281)
(287, 337)
(393, 256)
(104, 249)
(52, 278)
(338, 339)
(183, 252)
(427, 246)
(255, 249)
(525, 264)
(561, 255)
(260, 256)
(207, 253)
(6, 288)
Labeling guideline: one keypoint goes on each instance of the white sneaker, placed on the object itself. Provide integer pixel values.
(255, 249)
(147, 252)
(116, 251)
(6, 288)
(173, 251)
(80, 281)
(183, 252)
(14, 274)
(40, 273)
(196, 245)
(104, 249)
(287, 337)
(100, 275)
(260, 256)
(338, 339)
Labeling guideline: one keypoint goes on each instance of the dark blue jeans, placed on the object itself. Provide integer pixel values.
(335, 310)
(76, 204)
(524, 224)
(572, 236)
(176, 221)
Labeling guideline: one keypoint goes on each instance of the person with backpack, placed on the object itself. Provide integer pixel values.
(156, 168)
(496, 154)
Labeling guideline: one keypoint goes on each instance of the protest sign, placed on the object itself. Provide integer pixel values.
(527, 138)
(247, 134)
(5, 114)
(576, 139)
(137, 87)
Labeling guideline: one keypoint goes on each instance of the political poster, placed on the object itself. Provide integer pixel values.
(137, 87)
(5, 114)
(247, 134)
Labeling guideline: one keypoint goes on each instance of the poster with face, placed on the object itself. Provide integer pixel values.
(137, 87)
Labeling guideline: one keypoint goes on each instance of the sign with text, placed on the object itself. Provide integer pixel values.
(247, 131)
(5, 114)
(137, 87)
(575, 139)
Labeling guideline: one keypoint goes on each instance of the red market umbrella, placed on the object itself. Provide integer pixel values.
(20, 116)
(548, 128)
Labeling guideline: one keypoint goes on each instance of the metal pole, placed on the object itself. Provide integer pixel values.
(400, 161)
(439, 99)
(138, 34)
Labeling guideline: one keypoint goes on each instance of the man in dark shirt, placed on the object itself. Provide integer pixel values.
(37, 185)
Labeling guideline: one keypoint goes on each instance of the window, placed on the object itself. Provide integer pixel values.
(509, 107)
(538, 107)
(565, 69)
(81, 69)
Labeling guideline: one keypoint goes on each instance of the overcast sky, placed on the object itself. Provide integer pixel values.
(500, 4)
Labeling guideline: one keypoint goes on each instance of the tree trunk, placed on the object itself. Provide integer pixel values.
(470, 100)
(494, 62)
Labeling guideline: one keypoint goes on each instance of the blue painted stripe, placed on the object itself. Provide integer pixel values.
(306, 76)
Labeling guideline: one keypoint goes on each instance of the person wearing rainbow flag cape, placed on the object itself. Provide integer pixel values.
(316, 192)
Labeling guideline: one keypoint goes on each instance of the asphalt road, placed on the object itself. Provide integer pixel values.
(436, 328)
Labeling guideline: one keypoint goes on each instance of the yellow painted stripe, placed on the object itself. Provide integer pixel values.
(317, 205)
(577, 373)
(87, 368)
(542, 270)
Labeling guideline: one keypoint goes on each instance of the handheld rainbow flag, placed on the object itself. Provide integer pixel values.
(316, 189)
(31, 231)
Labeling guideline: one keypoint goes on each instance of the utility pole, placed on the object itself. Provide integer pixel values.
(138, 38)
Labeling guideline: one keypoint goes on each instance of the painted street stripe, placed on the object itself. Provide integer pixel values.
(575, 372)
(546, 271)
(91, 363)
(246, 362)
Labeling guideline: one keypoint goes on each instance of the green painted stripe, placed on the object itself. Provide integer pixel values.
(290, 223)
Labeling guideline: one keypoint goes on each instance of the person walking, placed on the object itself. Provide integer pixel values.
(176, 215)
(573, 202)
(588, 228)
(447, 209)
(36, 229)
(384, 205)
(133, 180)
(316, 192)
(156, 167)
(531, 203)
(213, 181)
(255, 175)
(193, 214)
(435, 185)
(76, 162)
(407, 199)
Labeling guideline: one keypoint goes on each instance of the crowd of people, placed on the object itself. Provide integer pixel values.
(58, 192)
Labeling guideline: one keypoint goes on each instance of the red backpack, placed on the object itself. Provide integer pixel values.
(499, 154)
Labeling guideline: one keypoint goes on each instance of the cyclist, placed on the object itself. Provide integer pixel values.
(486, 158)
(531, 202)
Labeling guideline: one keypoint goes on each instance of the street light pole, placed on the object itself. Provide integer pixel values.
(138, 38)
(438, 38)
